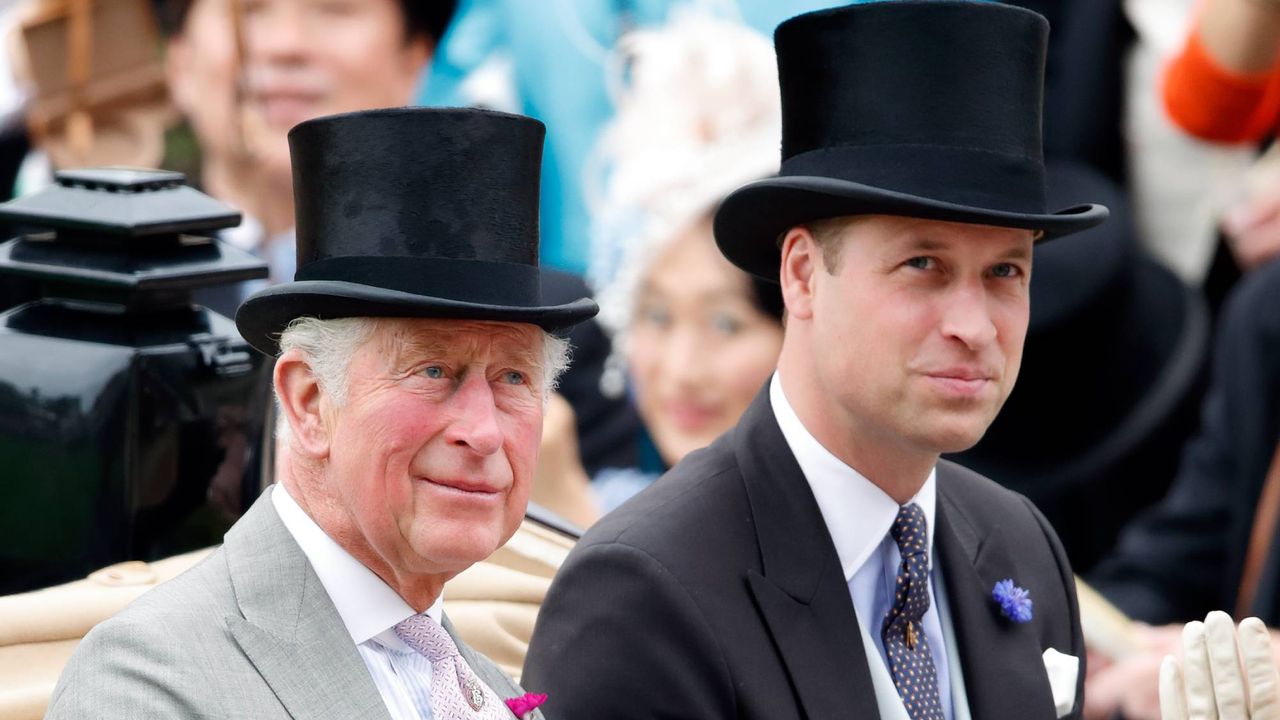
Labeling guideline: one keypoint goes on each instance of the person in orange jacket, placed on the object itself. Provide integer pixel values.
(1224, 86)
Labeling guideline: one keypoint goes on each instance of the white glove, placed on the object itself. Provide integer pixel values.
(1218, 680)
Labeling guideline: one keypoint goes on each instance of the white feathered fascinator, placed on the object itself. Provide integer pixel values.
(698, 115)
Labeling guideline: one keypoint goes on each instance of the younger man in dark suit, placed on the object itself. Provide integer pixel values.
(788, 570)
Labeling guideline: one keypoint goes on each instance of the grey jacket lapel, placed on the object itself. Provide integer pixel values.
(289, 628)
(484, 669)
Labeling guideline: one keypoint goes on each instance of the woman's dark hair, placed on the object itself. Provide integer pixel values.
(421, 17)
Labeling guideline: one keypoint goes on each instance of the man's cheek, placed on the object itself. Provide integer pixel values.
(525, 435)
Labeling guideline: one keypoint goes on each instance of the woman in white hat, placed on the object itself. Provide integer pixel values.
(694, 337)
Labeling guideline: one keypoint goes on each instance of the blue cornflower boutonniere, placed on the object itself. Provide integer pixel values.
(1014, 602)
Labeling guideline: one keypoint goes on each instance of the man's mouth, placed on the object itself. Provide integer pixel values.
(963, 381)
(466, 486)
(287, 108)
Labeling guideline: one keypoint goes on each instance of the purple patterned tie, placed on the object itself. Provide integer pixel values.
(456, 692)
(910, 660)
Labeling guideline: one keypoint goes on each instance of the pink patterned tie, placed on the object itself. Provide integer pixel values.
(456, 692)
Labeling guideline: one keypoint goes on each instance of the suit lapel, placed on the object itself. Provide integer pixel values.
(1002, 661)
(801, 592)
(289, 629)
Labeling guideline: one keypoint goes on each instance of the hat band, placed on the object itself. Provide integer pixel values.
(973, 177)
(484, 282)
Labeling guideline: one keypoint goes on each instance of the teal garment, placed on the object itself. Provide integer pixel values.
(547, 61)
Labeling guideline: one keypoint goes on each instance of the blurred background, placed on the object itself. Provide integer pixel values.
(132, 422)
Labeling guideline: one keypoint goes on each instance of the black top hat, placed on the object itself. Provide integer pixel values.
(924, 108)
(413, 212)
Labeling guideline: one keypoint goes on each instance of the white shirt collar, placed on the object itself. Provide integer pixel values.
(367, 605)
(858, 514)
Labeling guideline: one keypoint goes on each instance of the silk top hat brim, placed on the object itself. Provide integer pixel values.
(919, 108)
(413, 212)
(264, 315)
(751, 220)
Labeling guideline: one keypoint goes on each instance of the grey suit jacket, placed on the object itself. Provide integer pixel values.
(249, 632)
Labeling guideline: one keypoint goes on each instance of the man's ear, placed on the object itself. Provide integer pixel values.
(801, 262)
(300, 404)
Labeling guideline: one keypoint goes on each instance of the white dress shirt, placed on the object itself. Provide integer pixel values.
(370, 609)
(858, 515)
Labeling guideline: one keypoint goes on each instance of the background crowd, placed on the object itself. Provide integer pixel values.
(1145, 420)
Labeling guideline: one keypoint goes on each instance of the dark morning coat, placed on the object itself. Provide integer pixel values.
(1185, 557)
(717, 593)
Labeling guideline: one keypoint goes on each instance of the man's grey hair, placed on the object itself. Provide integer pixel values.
(329, 345)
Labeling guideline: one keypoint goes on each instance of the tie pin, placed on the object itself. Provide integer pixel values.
(474, 695)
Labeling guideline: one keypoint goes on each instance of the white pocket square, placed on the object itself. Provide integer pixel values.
(1063, 670)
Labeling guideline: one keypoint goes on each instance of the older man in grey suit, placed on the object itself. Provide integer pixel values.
(414, 362)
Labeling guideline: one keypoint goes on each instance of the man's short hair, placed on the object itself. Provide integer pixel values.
(429, 18)
(827, 234)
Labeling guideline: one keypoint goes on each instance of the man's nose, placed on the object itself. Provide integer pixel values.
(475, 424)
(966, 315)
(277, 31)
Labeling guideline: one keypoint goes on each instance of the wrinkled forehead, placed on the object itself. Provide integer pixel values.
(407, 340)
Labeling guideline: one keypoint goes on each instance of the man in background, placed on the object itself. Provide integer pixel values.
(242, 72)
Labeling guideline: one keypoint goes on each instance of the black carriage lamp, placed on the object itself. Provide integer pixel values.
(131, 420)
(139, 239)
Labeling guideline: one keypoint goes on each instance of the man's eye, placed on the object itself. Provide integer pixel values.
(513, 377)
(1006, 270)
(434, 372)
(920, 263)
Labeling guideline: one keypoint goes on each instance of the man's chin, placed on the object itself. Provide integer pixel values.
(458, 553)
(956, 437)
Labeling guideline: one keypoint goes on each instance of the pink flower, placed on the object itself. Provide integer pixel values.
(525, 704)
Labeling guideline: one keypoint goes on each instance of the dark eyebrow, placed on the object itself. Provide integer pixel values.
(1019, 252)
(926, 244)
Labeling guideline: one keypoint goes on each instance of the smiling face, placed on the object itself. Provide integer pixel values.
(915, 339)
(699, 347)
(431, 456)
(302, 59)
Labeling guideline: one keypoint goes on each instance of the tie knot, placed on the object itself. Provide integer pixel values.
(426, 636)
(911, 531)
